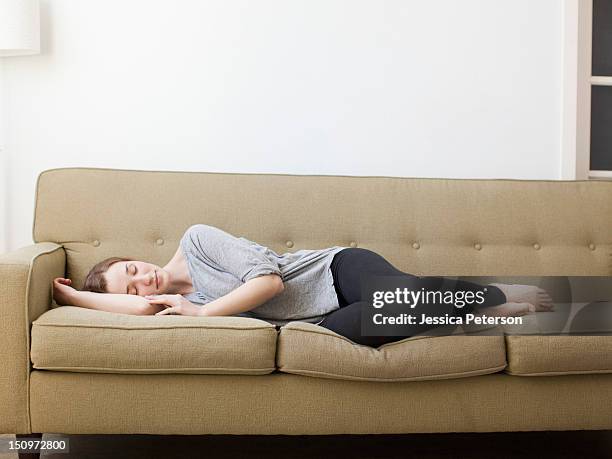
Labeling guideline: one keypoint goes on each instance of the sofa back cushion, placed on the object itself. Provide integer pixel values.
(423, 226)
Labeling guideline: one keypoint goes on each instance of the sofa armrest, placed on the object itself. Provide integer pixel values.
(26, 277)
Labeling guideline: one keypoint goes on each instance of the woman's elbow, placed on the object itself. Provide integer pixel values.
(278, 284)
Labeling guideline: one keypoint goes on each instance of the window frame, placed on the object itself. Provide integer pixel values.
(577, 83)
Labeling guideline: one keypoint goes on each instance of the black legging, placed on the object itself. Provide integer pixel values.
(349, 264)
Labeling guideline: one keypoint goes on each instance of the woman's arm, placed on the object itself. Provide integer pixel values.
(114, 302)
(63, 294)
(246, 297)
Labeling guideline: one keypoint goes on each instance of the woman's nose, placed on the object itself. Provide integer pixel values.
(146, 280)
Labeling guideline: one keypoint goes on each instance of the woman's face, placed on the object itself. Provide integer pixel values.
(136, 278)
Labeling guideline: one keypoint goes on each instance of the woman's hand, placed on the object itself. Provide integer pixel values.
(518, 293)
(63, 293)
(175, 304)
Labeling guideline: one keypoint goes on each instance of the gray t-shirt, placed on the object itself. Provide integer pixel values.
(219, 262)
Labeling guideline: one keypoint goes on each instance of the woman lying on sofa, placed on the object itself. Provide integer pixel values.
(214, 273)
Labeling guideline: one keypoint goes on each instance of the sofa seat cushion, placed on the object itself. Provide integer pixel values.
(311, 350)
(546, 355)
(71, 338)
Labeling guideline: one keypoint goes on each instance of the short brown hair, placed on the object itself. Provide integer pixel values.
(95, 280)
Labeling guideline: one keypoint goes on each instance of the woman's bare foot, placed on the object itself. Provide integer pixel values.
(509, 310)
(518, 293)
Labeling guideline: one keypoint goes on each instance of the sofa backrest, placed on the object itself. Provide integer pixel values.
(423, 226)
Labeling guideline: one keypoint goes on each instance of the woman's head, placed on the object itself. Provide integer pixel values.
(124, 275)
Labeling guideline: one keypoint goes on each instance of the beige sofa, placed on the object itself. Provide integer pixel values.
(78, 371)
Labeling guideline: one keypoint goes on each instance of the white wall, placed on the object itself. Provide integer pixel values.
(355, 87)
(3, 172)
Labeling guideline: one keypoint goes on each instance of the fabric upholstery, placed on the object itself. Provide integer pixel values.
(71, 338)
(311, 350)
(558, 355)
(25, 293)
(441, 227)
(423, 226)
(87, 403)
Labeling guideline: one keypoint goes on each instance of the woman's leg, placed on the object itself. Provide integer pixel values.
(346, 321)
(350, 264)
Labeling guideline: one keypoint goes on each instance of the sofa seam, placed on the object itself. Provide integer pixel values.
(560, 373)
(439, 376)
(455, 179)
(85, 369)
(155, 327)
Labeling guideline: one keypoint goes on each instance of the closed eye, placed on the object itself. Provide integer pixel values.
(127, 288)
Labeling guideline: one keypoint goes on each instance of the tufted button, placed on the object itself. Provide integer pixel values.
(416, 246)
(160, 241)
(477, 246)
(537, 246)
(592, 246)
(353, 244)
(96, 243)
(289, 244)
